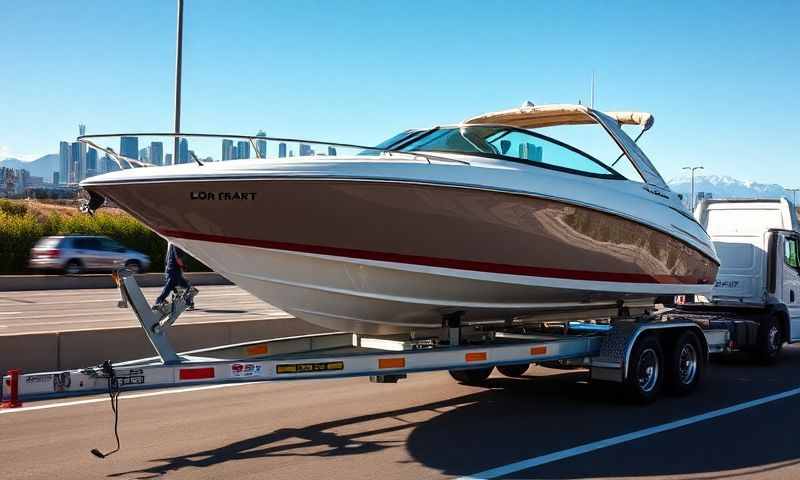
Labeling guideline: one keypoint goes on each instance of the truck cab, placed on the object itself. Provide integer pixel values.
(758, 243)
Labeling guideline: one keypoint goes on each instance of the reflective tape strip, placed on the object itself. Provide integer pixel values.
(475, 357)
(392, 362)
(196, 373)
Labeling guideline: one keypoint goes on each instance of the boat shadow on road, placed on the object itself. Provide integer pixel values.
(509, 420)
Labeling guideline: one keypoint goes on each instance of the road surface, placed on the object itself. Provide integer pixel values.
(65, 310)
(425, 427)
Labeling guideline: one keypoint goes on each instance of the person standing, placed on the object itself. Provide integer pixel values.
(174, 265)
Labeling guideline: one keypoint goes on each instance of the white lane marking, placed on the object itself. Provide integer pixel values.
(10, 313)
(609, 442)
(122, 397)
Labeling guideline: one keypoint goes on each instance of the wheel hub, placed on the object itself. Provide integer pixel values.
(648, 371)
(687, 368)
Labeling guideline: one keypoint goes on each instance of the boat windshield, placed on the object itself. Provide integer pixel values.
(509, 143)
(394, 141)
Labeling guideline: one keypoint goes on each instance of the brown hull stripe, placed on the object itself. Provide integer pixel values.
(443, 262)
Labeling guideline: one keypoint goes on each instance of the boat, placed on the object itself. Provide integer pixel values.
(488, 220)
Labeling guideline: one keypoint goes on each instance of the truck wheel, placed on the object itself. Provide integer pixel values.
(472, 376)
(770, 341)
(685, 364)
(645, 371)
(513, 370)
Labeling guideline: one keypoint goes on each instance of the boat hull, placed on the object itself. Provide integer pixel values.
(387, 256)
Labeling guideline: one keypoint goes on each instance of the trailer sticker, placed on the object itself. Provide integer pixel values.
(135, 376)
(309, 367)
(245, 370)
(61, 381)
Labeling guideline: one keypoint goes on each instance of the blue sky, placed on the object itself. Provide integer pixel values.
(721, 78)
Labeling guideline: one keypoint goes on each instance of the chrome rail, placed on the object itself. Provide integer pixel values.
(134, 163)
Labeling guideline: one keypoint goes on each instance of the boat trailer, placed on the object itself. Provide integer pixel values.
(604, 348)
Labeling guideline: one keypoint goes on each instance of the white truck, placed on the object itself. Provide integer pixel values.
(757, 293)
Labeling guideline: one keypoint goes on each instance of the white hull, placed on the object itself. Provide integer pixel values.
(380, 297)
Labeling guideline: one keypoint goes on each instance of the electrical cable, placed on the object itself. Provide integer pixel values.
(113, 393)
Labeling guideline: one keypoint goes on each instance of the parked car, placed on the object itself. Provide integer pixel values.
(76, 254)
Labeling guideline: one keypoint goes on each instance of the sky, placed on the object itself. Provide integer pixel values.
(721, 78)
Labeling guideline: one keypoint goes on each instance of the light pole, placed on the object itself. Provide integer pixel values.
(693, 169)
(178, 65)
(794, 194)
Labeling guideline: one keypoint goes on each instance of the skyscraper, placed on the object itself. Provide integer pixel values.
(234, 153)
(91, 163)
(282, 150)
(168, 159)
(243, 149)
(156, 153)
(183, 151)
(261, 145)
(227, 149)
(305, 150)
(74, 162)
(332, 151)
(144, 155)
(64, 157)
(129, 147)
(81, 174)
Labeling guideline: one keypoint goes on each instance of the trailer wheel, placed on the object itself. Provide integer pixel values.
(513, 370)
(685, 365)
(472, 376)
(770, 341)
(645, 371)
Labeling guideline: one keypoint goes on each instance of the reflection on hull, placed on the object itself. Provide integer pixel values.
(381, 256)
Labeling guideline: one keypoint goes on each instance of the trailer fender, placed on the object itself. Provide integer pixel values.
(613, 359)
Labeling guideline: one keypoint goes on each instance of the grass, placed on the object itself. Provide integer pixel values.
(24, 222)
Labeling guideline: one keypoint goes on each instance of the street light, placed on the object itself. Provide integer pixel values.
(178, 68)
(693, 169)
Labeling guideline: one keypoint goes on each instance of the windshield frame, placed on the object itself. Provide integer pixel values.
(612, 174)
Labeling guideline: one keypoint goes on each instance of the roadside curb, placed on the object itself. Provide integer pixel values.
(11, 283)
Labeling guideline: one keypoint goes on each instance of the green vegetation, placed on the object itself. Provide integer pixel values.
(23, 224)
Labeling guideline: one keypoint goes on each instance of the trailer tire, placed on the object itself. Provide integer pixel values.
(513, 371)
(770, 341)
(472, 376)
(645, 371)
(685, 364)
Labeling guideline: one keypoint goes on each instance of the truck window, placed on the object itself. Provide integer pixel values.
(790, 252)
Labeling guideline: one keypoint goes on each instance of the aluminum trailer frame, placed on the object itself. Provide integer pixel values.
(604, 348)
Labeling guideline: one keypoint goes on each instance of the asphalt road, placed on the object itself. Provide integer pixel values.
(425, 427)
(65, 310)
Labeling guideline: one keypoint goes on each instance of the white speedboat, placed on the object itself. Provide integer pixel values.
(486, 220)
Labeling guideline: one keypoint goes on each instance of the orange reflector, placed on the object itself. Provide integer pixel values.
(538, 350)
(257, 350)
(475, 357)
(392, 362)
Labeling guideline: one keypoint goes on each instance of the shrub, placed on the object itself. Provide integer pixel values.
(20, 229)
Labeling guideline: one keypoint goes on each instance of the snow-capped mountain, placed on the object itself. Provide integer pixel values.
(723, 186)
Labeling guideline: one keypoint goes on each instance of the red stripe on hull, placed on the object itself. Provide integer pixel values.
(443, 262)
